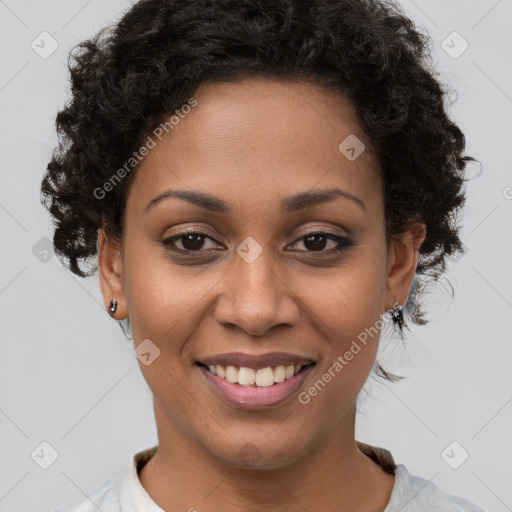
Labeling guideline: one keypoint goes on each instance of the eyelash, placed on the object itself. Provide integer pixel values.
(342, 241)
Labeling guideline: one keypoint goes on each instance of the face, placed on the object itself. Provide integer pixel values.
(267, 269)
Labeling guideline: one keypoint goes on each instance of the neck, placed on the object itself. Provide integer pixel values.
(183, 475)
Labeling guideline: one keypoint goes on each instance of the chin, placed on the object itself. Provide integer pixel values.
(259, 454)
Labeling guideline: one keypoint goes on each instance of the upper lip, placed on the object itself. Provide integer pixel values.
(257, 361)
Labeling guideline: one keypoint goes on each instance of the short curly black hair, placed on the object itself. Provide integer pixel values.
(128, 78)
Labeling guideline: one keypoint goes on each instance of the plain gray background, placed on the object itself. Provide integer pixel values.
(69, 377)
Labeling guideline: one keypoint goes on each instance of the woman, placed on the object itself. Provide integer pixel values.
(265, 185)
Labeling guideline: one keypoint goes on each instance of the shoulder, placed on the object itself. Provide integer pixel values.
(415, 494)
(123, 492)
(105, 498)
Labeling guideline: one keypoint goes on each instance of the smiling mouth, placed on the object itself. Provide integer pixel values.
(255, 377)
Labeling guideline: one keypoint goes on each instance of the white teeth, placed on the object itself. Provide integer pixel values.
(279, 374)
(247, 376)
(231, 374)
(263, 377)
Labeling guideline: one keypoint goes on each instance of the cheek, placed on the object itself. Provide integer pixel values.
(166, 301)
(350, 342)
(346, 301)
(345, 311)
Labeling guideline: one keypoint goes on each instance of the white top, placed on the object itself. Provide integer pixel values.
(125, 493)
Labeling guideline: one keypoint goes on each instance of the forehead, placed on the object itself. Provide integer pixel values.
(264, 137)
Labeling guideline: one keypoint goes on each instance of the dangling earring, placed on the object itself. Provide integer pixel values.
(397, 314)
(113, 306)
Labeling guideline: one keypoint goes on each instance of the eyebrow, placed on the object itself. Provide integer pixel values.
(290, 204)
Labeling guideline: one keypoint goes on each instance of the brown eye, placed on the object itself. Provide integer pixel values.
(316, 242)
(190, 241)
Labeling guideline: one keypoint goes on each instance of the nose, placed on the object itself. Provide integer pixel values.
(255, 297)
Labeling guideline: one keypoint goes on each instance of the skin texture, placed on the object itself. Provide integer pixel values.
(253, 143)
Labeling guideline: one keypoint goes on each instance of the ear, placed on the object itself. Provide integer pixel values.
(402, 263)
(110, 265)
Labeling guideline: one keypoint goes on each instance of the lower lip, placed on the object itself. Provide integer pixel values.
(254, 397)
